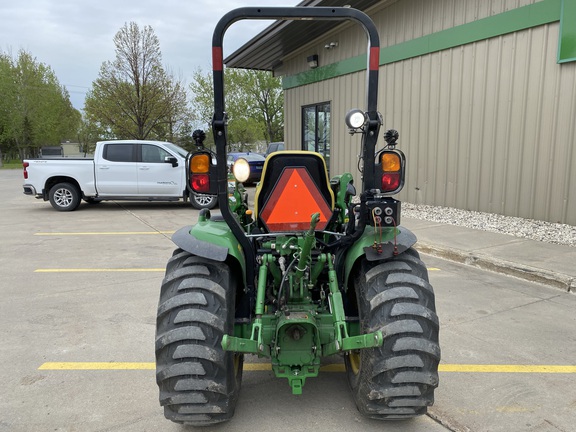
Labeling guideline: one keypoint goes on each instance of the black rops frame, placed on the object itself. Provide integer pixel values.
(371, 129)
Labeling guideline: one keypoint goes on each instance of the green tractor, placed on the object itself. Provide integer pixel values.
(312, 271)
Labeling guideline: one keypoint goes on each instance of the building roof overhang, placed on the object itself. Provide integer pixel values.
(267, 49)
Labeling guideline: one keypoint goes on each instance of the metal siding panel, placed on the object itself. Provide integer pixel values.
(513, 72)
(517, 133)
(491, 197)
(453, 128)
(411, 141)
(543, 192)
(532, 119)
(293, 127)
(420, 122)
(465, 119)
(565, 208)
(502, 129)
(476, 137)
(557, 139)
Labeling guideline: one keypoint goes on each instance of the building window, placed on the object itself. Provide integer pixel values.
(316, 130)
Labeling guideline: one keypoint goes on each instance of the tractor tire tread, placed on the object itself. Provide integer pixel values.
(199, 382)
(396, 380)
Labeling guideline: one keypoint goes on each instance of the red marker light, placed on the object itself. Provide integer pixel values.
(390, 182)
(200, 183)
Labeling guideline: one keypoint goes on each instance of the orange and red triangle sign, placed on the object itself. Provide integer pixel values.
(293, 202)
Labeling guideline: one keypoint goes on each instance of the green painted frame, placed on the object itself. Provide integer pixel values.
(567, 43)
(543, 12)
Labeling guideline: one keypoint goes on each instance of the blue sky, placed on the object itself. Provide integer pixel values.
(74, 37)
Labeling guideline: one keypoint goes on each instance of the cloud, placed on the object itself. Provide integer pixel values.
(74, 37)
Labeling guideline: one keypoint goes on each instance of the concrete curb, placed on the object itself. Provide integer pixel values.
(553, 279)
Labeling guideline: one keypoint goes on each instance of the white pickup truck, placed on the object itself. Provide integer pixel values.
(120, 170)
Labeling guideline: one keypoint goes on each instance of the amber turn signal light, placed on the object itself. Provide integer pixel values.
(200, 163)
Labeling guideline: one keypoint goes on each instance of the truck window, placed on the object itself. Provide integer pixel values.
(118, 152)
(153, 154)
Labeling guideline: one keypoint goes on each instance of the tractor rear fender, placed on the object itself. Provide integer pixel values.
(211, 239)
(378, 245)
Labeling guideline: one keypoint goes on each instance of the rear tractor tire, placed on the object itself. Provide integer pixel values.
(396, 380)
(199, 382)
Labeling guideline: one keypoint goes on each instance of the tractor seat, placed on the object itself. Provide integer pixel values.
(294, 186)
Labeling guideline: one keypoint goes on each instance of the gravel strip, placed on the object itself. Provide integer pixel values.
(526, 228)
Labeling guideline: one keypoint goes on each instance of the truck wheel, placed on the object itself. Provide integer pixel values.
(396, 380)
(199, 382)
(64, 197)
(200, 201)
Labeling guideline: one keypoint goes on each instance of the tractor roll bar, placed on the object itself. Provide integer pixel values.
(219, 120)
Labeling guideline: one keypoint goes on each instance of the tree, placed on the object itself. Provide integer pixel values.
(254, 104)
(7, 90)
(134, 96)
(89, 133)
(267, 97)
(35, 110)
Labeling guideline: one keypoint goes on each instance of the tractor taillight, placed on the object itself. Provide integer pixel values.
(199, 173)
(392, 164)
(25, 165)
(200, 183)
(390, 182)
(200, 164)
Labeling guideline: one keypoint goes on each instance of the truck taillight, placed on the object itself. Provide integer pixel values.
(392, 163)
(199, 173)
(25, 165)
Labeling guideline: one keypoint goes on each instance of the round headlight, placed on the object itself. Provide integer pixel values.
(241, 170)
(355, 119)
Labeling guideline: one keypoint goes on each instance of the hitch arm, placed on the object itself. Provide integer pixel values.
(343, 342)
(255, 344)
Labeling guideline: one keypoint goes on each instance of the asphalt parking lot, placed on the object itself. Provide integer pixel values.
(77, 321)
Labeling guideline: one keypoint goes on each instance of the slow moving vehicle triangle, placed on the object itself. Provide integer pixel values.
(293, 201)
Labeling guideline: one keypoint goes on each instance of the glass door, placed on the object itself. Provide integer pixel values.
(316, 130)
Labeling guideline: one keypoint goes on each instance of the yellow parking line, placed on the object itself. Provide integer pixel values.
(96, 270)
(96, 366)
(336, 367)
(102, 233)
(550, 369)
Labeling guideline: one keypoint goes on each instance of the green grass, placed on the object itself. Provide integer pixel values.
(12, 165)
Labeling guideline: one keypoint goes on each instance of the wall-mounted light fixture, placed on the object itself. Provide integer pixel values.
(312, 61)
(331, 45)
